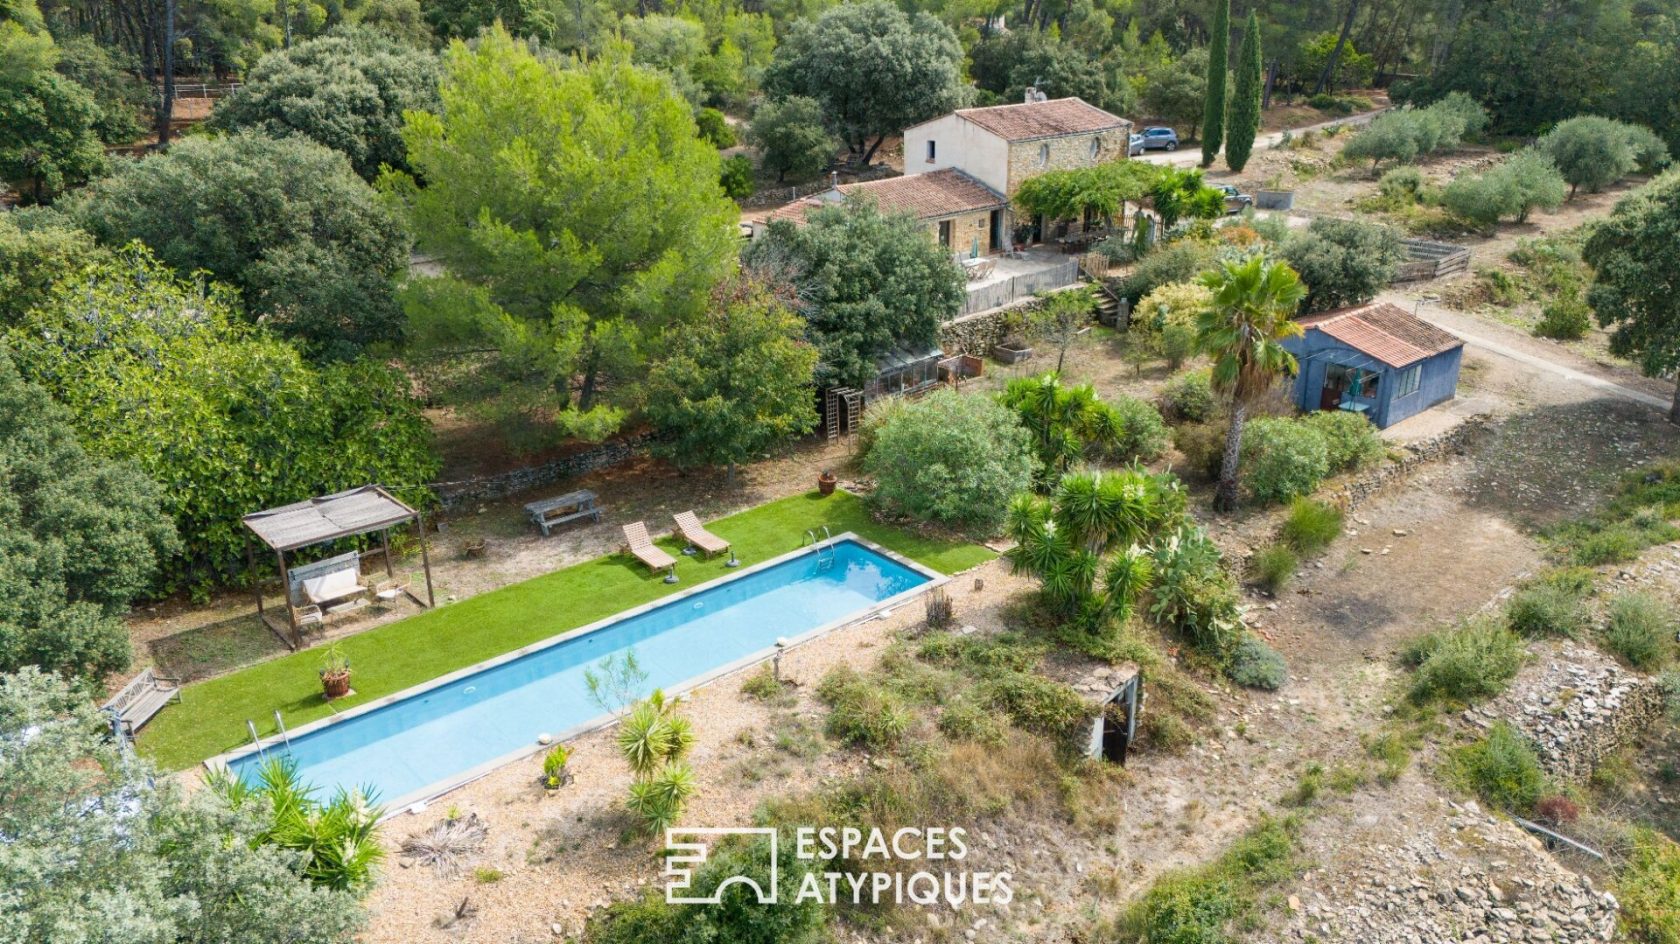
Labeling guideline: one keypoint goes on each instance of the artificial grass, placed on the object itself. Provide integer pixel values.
(211, 716)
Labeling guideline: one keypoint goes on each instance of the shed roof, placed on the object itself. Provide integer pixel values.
(934, 195)
(1046, 119)
(357, 511)
(1386, 332)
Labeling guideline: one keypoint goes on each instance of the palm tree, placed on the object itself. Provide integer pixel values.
(1253, 302)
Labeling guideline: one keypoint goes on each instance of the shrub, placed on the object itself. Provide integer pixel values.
(714, 128)
(1180, 262)
(1311, 525)
(1194, 906)
(762, 685)
(735, 175)
(1471, 661)
(1591, 151)
(1557, 810)
(1648, 889)
(1257, 665)
(953, 459)
(1565, 319)
(966, 721)
(1175, 303)
(1553, 605)
(554, 766)
(1143, 434)
(1350, 441)
(1274, 566)
(1639, 630)
(1040, 705)
(1502, 769)
(1193, 594)
(861, 712)
(1401, 184)
(1616, 543)
(1189, 397)
(1283, 458)
(1343, 262)
(1203, 446)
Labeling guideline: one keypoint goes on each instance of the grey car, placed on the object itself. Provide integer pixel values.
(1136, 146)
(1235, 200)
(1160, 139)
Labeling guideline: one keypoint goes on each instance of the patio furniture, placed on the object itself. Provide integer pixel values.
(334, 588)
(695, 533)
(977, 269)
(640, 545)
(571, 506)
(142, 698)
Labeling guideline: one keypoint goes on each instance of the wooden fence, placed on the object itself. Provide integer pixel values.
(1021, 287)
(1430, 260)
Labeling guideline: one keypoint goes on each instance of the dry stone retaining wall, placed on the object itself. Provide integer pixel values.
(1577, 708)
(493, 487)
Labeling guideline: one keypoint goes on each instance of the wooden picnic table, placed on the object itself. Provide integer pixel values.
(571, 506)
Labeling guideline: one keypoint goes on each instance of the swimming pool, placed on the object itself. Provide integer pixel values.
(429, 739)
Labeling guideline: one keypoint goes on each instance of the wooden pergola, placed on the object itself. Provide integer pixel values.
(327, 518)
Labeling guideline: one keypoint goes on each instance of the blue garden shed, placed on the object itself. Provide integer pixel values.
(1375, 359)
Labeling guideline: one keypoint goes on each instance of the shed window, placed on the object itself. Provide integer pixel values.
(1096, 147)
(930, 152)
(1410, 378)
(1043, 154)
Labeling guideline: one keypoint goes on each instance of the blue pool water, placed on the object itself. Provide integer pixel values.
(405, 749)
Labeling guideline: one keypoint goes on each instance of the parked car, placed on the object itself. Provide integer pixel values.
(1160, 139)
(1235, 200)
(1136, 145)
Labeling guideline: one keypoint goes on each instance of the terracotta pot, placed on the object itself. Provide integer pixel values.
(335, 684)
(826, 483)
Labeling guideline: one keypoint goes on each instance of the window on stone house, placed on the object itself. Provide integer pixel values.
(1096, 147)
(1043, 154)
(930, 152)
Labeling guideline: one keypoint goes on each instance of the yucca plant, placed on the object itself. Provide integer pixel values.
(654, 738)
(1065, 422)
(659, 800)
(339, 839)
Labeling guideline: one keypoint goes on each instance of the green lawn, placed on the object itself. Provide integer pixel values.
(211, 716)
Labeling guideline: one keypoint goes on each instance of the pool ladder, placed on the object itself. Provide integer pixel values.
(825, 547)
(256, 740)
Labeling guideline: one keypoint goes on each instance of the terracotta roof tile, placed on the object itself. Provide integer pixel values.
(1386, 332)
(933, 195)
(1043, 119)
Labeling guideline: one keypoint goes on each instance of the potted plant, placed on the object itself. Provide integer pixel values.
(555, 775)
(826, 482)
(1012, 350)
(335, 672)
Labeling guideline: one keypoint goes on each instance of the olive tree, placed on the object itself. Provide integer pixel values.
(1594, 152)
(1343, 262)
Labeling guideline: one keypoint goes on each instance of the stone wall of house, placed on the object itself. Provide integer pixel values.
(1027, 159)
(967, 231)
(1578, 706)
(467, 492)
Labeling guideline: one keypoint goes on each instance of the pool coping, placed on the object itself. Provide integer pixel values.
(415, 801)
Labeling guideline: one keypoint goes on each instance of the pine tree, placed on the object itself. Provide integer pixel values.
(1219, 63)
(1244, 120)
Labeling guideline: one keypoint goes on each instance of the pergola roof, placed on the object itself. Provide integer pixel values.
(357, 511)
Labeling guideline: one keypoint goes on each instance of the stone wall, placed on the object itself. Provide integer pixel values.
(1368, 485)
(967, 231)
(493, 487)
(1577, 706)
(1026, 158)
(980, 332)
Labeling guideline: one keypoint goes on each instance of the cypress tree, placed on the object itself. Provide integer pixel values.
(1219, 63)
(1243, 123)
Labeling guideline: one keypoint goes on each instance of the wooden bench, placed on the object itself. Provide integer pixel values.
(571, 506)
(142, 698)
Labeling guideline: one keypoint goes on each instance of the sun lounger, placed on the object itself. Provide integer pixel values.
(695, 533)
(637, 542)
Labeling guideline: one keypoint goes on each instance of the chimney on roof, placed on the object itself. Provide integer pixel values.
(834, 179)
(1034, 95)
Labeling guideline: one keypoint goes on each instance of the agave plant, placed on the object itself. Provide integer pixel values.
(338, 840)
